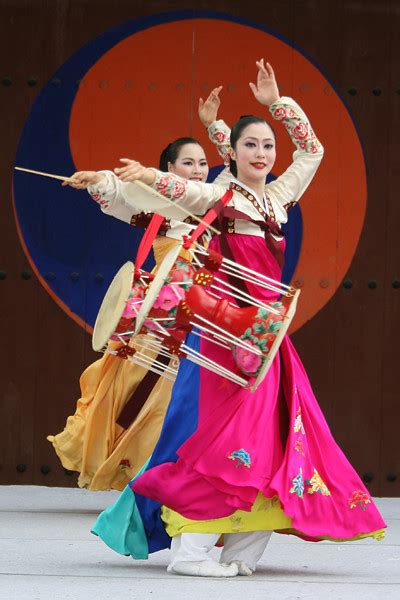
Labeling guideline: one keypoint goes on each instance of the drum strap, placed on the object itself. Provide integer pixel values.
(210, 216)
(146, 242)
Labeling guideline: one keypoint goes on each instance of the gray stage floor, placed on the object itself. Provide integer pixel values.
(48, 552)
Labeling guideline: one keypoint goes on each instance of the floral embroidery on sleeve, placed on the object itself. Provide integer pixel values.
(297, 125)
(219, 134)
(170, 186)
(99, 197)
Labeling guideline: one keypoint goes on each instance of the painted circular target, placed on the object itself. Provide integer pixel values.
(129, 93)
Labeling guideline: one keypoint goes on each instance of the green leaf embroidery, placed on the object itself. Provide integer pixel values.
(274, 327)
(259, 328)
(262, 313)
(247, 334)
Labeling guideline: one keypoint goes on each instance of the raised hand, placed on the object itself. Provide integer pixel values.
(208, 110)
(266, 89)
(82, 179)
(134, 171)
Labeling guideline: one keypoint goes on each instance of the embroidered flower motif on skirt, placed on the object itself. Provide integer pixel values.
(242, 457)
(298, 485)
(317, 485)
(298, 424)
(298, 446)
(359, 498)
(236, 522)
(124, 464)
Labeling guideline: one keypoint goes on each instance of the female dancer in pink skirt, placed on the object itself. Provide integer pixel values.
(263, 461)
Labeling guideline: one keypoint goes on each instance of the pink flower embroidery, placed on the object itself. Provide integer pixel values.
(182, 271)
(151, 325)
(96, 197)
(247, 361)
(162, 185)
(131, 308)
(298, 446)
(220, 137)
(178, 190)
(314, 147)
(359, 498)
(279, 114)
(169, 297)
(300, 131)
(298, 424)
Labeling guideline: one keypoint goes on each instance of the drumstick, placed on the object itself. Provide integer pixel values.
(140, 184)
(59, 177)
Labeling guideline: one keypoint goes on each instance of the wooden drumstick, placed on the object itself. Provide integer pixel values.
(139, 183)
(59, 177)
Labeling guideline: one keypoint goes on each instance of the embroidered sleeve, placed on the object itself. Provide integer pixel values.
(103, 192)
(108, 193)
(219, 133)
(195, 196)
(291, 185)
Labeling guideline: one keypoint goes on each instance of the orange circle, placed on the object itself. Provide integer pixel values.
(143, 93)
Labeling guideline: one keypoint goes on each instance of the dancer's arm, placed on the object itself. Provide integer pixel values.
(195, 196)
(288, 188)
(105, 189)
(218, 130)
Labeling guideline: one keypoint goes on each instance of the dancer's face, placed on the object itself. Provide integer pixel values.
(255, 152)
(191, 163)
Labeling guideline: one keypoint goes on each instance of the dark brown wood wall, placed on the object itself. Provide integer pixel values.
(350, 348)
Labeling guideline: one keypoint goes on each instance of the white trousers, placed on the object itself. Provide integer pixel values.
(247, 547)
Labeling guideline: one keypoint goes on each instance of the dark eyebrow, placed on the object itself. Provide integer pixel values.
(249, 137)
(189, 158)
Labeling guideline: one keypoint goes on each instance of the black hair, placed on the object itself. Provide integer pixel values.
(237, 131)
(171, 152)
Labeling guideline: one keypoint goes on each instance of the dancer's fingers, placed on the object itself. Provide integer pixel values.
(270, 70)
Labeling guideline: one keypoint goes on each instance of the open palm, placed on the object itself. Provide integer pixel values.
(266, 89)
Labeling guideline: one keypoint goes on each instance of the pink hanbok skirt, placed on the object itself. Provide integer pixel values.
(289, 449)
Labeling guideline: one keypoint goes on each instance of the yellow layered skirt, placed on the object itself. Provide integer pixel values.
(106, 455)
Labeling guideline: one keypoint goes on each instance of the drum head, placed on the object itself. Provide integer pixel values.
(278, 340)
(155, 287)
(113, 306)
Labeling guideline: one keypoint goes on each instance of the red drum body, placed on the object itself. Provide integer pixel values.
(186, 296)
(189, 296)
